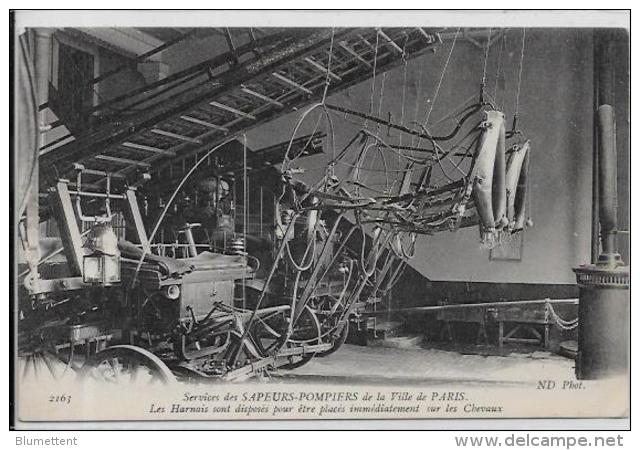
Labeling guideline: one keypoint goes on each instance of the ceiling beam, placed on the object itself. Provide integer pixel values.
(288, 45)
(414, 49)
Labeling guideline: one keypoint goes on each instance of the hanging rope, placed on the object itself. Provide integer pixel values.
(394, 214)
(418, 97)
(327, 80)
(500, 68)
(245, 212)
(404, 88)
(444, 70)
(373, 77)
(515, 115)
(437, 91)
(384, 79)
(484, 68)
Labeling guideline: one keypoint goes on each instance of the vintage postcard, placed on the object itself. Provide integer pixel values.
(266, 216)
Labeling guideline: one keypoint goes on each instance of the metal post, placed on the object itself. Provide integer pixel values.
(42, 67)
(60, 200)
(192, 250)
(595, 224)
(608, 191)
(134, 222)
(603, 313)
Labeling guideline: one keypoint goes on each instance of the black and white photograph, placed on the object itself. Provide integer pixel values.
(221, 217)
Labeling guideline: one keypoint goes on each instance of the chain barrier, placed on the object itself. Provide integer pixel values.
(559, 321)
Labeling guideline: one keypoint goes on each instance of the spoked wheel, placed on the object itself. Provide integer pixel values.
(329, 312)
(337, 337)
(43, 366)
(269, 332)
(269, 335)
(306, 332)
(122, 364)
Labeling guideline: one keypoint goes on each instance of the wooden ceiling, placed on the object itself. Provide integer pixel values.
(164, 126)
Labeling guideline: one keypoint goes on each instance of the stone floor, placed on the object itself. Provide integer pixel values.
(416, 365)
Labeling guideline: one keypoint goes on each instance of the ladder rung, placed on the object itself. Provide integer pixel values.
(204, 123)
(261, 96)
(100, 173)
(148, 148)
(391, 42)
(424, 33)
(291, 83)
(367, 43)
(232, 110)
(353, 53)
(175, 136)
(322, 69)
(125, 161)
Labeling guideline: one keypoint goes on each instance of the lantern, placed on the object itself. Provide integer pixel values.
(102, 265)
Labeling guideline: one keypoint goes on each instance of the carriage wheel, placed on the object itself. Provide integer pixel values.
(43, 366)
(306, 332)
(338, 337)
(329, 311)
(126, 364)
(269, 335)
